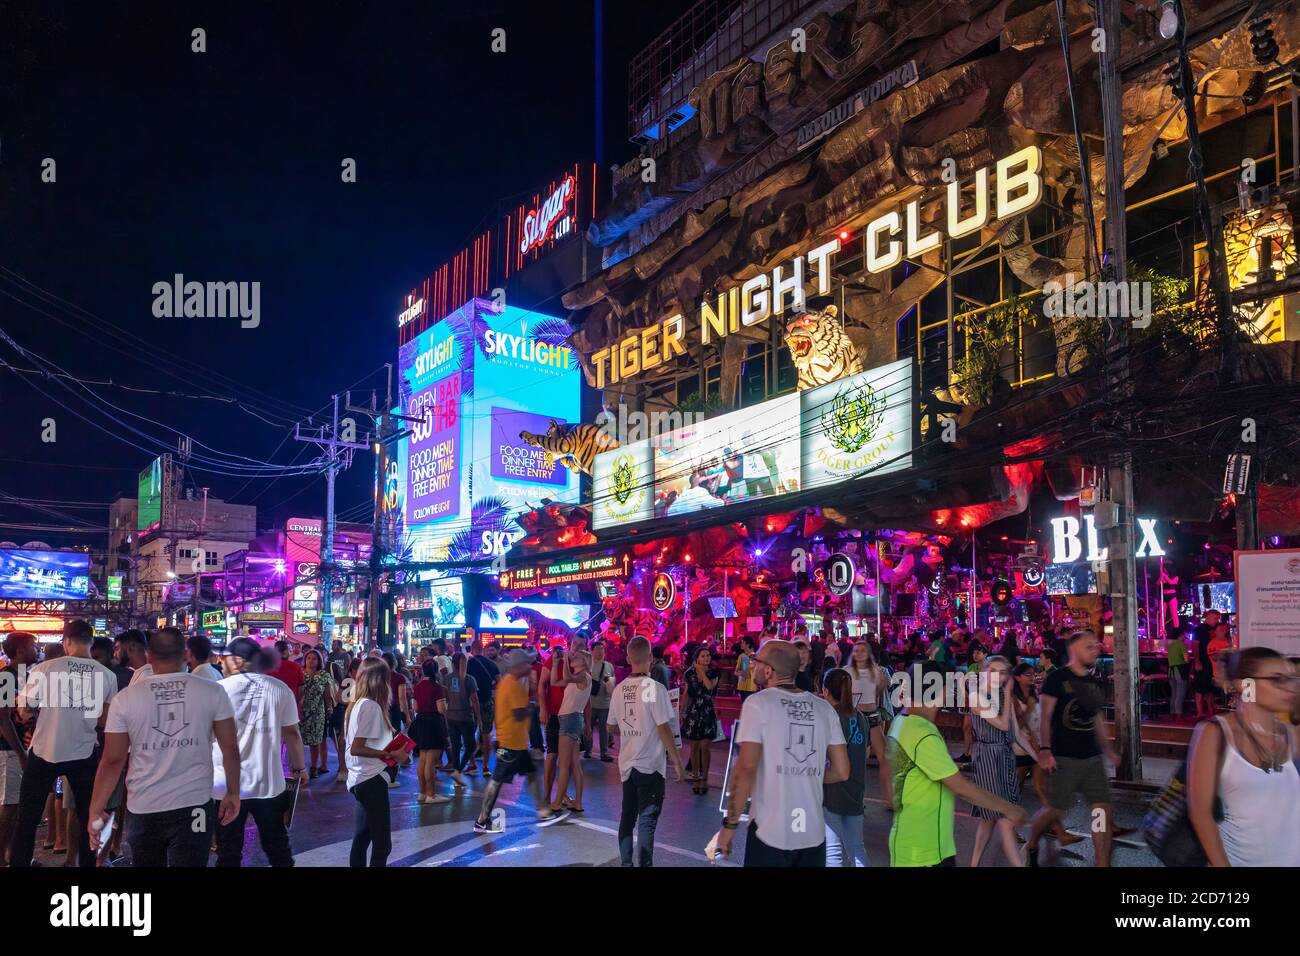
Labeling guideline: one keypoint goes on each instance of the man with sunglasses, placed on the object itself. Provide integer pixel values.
(787, 736)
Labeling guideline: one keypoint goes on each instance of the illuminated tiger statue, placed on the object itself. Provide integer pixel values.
(539, 625)
(632, 621)
(573, 446)
(820, 349)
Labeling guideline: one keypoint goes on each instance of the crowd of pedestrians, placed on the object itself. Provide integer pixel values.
(155, 745)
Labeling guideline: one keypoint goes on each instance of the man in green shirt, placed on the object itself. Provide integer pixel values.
(926, 781)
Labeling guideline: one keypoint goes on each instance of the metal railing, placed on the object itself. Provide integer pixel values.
(702, 41)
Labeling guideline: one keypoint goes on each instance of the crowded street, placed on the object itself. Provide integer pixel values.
(715, 436)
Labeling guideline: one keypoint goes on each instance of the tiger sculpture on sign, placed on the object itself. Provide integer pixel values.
(573, 446)
(820, 348)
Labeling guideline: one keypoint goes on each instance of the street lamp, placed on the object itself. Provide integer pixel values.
(1168, 19)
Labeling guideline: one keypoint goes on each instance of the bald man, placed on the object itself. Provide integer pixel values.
(166, 723)
(787, 737)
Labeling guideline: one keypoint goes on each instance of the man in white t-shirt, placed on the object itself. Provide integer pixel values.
(166, 724)
(786, 737)
(639, 712)
(70, 696)
(266, 715)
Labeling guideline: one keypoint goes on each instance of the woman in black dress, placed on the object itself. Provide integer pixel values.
(1203, 682)
(699, 720)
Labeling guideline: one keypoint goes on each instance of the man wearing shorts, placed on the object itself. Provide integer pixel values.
(512, 714)
(1075, 747)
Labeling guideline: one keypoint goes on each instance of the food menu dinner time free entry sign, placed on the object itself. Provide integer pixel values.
(571, 571)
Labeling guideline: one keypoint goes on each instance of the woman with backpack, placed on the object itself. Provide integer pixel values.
(1243, 786)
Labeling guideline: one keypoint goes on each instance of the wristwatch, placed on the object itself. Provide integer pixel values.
(728, 825)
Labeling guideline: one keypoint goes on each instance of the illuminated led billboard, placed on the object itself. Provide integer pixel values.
(860, 425)
(477, 379)
(44, 575)
(149, 496)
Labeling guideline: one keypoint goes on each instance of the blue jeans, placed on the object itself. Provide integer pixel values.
(1177, 691)
(844, 844)
(643, 798)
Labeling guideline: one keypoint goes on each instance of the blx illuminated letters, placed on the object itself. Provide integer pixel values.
(1068, 548)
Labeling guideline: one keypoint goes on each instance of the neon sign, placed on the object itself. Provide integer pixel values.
(414, 309)
(1067, 547)
(539, 222)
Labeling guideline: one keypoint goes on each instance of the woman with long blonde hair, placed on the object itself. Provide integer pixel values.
(575, 678)
(368, 731)
(870, 684)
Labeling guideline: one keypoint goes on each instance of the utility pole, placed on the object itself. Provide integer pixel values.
(195, 604)
(379, 622)
(339, 456)
(1119, 537)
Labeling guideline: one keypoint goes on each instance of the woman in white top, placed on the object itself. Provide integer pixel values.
(869, 688)
(1246, 760)
(575, 678)
(369, 730)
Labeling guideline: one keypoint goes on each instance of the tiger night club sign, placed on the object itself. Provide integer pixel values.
(857, 426)
(1010, 187)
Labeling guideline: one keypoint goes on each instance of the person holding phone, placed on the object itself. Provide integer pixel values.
(575, 678)
(168, 722)
(369, 731)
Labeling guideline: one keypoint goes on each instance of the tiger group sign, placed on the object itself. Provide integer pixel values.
(857, 426)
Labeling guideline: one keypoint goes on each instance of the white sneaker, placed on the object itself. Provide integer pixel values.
(438, 798)
(459, 779)
(421, 799)
(552, 818)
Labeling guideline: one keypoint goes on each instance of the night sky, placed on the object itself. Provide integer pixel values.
(225, 166)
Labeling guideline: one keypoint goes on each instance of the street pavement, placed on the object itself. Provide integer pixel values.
(441, 835)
